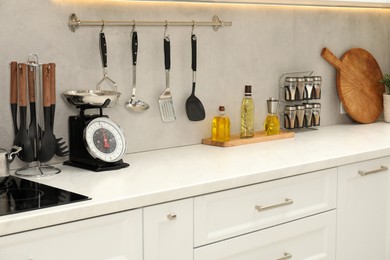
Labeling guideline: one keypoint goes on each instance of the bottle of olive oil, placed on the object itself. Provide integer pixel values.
(247, 114)
(272, 124)
(221, 126)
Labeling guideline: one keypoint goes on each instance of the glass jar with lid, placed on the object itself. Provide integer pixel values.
(317, 82)
(308, 114)
(290, 113)
(316, 114)
(300, 119)
(308, 87)
(290, 86)
(300, 92)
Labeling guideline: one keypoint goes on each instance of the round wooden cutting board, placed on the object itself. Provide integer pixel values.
(358, 87)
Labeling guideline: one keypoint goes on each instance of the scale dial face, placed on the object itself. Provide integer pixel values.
(105, 140)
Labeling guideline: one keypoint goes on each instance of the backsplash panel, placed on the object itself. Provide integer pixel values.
(263, 43)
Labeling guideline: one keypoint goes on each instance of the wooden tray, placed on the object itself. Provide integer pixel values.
(259, 137)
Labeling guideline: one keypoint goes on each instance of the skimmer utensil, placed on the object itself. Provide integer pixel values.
(103, 53)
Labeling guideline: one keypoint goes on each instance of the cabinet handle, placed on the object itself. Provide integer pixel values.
(285, 257)
(172, 216)
(381, 169)
(285, 203)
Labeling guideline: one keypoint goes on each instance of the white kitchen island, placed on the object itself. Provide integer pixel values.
(187, 174)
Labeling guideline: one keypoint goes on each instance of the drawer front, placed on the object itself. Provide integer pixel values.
(234, 212)
(309, 238)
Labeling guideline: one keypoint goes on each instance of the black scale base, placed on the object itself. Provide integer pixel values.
(98, 167)
(78, 153)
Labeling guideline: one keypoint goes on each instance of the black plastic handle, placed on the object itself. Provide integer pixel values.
(167, 52)
(193, 51)
(134, 46)
(103, 49)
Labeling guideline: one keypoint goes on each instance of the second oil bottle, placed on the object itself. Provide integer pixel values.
(247, 114)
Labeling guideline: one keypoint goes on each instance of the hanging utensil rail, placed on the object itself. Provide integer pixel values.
(74, 23)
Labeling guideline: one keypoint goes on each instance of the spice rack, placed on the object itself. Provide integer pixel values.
(299, 107)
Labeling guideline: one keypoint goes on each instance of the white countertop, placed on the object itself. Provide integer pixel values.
(170, 174)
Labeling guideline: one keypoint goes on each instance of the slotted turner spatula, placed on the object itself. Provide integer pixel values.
(165, 100)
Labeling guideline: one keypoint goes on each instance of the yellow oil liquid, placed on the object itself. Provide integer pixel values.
(272, 125)
(247, 118)
(220, 129)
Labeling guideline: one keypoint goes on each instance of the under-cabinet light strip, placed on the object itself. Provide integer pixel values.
(74, 23)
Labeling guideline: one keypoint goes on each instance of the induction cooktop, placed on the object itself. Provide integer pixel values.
(20, 195)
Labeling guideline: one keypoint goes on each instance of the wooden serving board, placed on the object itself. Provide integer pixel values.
(358, 87)
(259, 137)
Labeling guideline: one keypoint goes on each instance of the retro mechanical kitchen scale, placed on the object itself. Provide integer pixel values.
(95, 142)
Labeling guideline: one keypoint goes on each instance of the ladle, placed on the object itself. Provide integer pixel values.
(133, 103)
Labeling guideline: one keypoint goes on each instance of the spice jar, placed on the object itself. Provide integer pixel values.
(308, 87)
(316, 114)
(300, 92)
(290, 86)
(290, 113)
(308, 115)
(300, 109)
(317, 82)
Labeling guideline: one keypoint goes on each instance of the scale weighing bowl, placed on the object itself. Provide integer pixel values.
(96, 98)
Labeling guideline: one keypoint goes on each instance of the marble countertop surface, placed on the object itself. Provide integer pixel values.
(170, 174)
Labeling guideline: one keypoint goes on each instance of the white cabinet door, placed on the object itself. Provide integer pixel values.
(311, 238)
(112, 237)
(168, 231)
(363, 210)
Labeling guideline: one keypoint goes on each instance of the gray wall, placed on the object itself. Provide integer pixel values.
(263, 43)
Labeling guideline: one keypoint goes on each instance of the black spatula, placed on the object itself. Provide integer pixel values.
(194, 107)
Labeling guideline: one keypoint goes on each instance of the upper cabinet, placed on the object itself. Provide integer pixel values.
(335, 3)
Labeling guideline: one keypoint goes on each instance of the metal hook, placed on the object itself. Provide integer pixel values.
(101, 30)
(134, 25)
(193, 26)
(32, 59)
(14, 150)
(166, 28)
